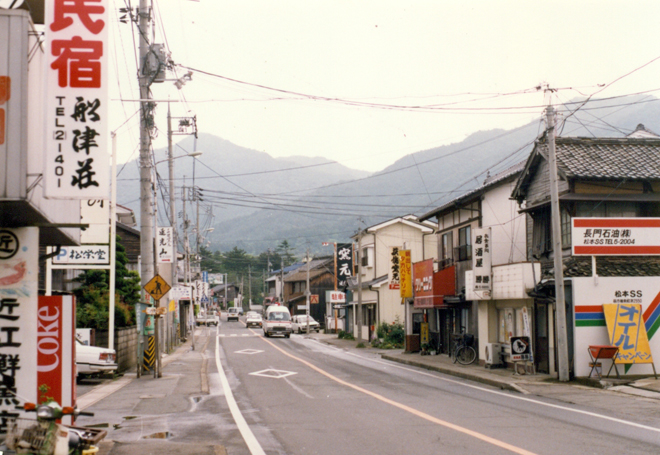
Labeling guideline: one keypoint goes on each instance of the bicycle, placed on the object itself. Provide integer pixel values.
(463, 352)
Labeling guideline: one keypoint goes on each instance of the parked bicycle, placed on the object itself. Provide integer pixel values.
(463, 352)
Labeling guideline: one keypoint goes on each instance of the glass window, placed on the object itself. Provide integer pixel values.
(565, 228)
(447, 245)
(464, 244)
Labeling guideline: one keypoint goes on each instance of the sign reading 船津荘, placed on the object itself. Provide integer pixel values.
(76, 157)
(616, 236)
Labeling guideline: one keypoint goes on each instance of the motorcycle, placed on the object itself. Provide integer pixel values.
(44, 436)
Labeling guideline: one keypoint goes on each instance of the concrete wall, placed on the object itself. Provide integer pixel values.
(125, 345)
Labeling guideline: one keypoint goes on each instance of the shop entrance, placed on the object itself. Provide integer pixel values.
(541, 342)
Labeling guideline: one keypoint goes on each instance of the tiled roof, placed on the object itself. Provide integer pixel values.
(606, 266)
(610, 158)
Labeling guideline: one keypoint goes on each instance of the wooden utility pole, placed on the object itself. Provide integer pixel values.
(560, 305)
(359, 309)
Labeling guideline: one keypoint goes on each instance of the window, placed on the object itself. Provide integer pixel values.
(367, 258)
(464, 244)
(447, 248)
(565, 228)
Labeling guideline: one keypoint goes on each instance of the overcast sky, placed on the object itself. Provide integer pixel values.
(348, 77)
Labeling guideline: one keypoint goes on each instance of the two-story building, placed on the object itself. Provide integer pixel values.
(321, 276)
(380, 293)
(482, 229)
(614, 180)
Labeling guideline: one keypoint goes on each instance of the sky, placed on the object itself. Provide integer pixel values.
(368, 82)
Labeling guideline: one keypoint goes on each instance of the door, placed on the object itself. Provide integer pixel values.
(541, 354)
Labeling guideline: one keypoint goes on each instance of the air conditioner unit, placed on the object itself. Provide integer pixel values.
(493, 355)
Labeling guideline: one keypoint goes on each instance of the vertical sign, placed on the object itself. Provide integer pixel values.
(344, 264)
(56, 350)
(481, 259)
(405, 274)
(423, 276)
(19, 253)
(627, 331)
(165, 245)
(394, 268)
(76, 151)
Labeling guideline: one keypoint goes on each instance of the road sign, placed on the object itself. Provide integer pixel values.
(520, 348)
(314, 298)
(157, 287)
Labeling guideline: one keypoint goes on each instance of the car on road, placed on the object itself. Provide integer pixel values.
(253, 319)
(278, 321)
(93, 360)
(206, 319)
(299, 323)
(232, 313)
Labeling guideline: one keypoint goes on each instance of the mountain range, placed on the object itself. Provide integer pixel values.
(257, 201)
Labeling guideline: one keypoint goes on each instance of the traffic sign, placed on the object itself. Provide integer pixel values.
(157, 287)
(314, 298)
(520, 348)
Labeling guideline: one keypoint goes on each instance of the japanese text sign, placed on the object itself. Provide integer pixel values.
(76, 155)
(165, 244)
(96, 213)
(405, 274)
(423, 276)
(481, 258)
(88, 254)
(344, 264)
(394, 268)
(616, 236)
(627, 331)
(19, 253)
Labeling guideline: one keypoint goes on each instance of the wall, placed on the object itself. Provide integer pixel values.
(508, 226)
(126, 342)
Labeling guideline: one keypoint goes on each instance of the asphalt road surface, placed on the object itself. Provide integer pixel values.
(298, 396)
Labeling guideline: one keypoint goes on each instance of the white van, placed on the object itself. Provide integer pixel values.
(277, 321)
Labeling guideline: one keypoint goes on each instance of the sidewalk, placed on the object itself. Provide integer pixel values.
(500, 377)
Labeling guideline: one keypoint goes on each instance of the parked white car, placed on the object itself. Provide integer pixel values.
(299, 324)
(92, 360)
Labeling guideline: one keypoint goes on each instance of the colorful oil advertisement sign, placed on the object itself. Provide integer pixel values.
(405, 274)
(615, 236)
(590, 326)
(627, 331)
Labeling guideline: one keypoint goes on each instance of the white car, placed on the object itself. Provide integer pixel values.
(299, 324)
(232, 313)
(253, 319)
(94, 360)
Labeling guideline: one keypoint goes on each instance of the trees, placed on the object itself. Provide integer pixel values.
(92, 309)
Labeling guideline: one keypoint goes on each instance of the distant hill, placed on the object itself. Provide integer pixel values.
(256, 208)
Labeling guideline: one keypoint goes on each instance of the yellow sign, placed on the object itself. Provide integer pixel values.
(627, 331)
(424, 333)
(405, 274)
(157, 287)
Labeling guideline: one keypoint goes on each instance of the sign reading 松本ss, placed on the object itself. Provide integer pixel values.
(76, 158)
(615, 236)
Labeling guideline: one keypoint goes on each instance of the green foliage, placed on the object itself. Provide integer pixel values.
(345, 335)
(92, 297)
(43, 390)
(392, 334)
(360, 345)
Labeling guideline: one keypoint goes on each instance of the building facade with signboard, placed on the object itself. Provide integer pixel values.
(321, 280)
(380, 269)
(609, 202)
(482, 276)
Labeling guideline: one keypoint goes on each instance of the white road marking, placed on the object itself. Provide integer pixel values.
(249, 438)
(274, 374)
(495, 392)
(249, 351)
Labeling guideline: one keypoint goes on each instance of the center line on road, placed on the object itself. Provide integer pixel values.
(413, 411)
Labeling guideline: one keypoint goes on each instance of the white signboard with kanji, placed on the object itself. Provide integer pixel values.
(76, 164)
(95, 213)
(615, 236)
(165, 245)
(87, 254)
(482, 259)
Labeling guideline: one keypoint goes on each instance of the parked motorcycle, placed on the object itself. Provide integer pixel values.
(44, 436)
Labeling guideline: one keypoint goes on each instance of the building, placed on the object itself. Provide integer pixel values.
(381, 296)
(321, 279)
(614, 180)
(482, 229)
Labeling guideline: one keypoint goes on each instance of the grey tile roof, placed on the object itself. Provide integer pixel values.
(606, 266)
(610, 158)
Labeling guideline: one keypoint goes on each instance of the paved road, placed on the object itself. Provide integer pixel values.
(299, 396)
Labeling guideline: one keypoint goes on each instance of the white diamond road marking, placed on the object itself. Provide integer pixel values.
(224, 335)
(249, 351)
(274, 374)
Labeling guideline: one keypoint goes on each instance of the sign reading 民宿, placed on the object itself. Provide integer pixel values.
(76, 154)
(19, 254)
(615, 236)
(627, 331)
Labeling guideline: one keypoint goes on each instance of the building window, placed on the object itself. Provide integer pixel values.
(447, 249)
(464, 252)
(565, 228)
(367, 259)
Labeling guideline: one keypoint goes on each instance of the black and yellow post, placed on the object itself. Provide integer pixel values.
(149, 359)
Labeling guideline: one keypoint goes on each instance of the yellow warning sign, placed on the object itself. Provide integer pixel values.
(157, 287)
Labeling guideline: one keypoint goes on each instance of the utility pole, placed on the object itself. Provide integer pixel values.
(560, 305)
(307, 293)
(146, 189)
(170, 167)
(282, 280)
(359, 312)
(249, 286)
